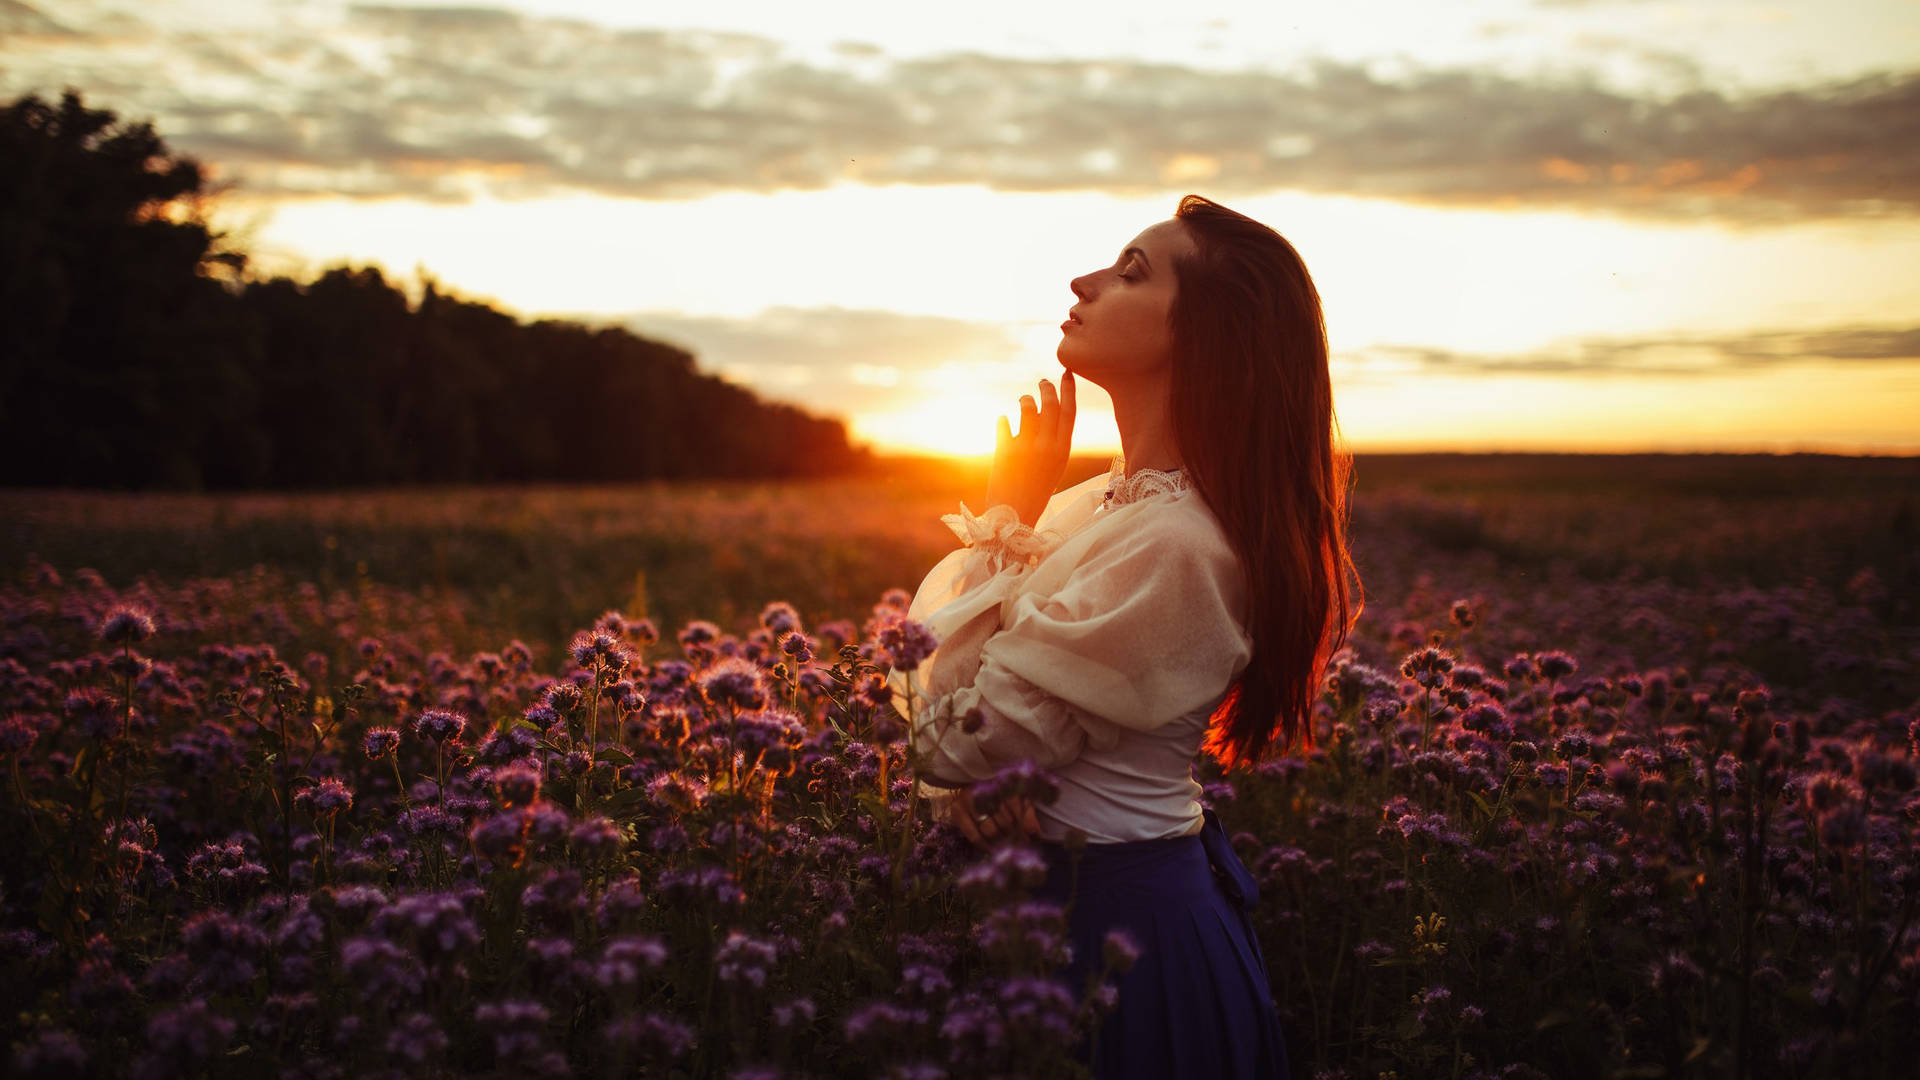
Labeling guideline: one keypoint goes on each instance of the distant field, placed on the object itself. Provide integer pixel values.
(540, 562)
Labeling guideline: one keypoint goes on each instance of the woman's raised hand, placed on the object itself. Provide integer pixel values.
(1027, 467)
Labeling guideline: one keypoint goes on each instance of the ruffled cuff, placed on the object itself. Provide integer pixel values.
(1000, 536)
(1036, 726)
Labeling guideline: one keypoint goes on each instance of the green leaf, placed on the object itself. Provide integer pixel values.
(615, 755)
(626, 797)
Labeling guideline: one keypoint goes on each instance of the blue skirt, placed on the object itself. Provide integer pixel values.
(1197, 1003)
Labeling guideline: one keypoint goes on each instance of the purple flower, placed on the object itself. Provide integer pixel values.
(600, 649)
(429, 821)
(416, 1039)
(542, 715)
(517, 1027)
(619, 901)
(883, 1021)
(381, 741)
(769, 738)
(1435, 1003)
(698, 887)
(189, 1032)
(1038, 1004)
(744, 959)
(1555, 664)
(1484, 719)
(779, 618)
(502, 747)
(697, 634)
(518, 784)
(329, 797)
(437, 923)
(1020, 779)
(735, 682)
(502, 837)
(677, 792)
(53, 1053)
(1672, 971)
(355, 903)
(126, 625)
(1428, 666)
(17, 735)
(1573, 744)
(1368, 952)
(440, 725)
(621, 961)
(1119, 951)
(554, 898)
(596, 838)
(1006, 867)
(800, 1010)
(904, 643)
(799, 646)
(98, 986)
(650, 1035)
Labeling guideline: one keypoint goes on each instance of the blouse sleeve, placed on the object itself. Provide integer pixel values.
(1132, 625)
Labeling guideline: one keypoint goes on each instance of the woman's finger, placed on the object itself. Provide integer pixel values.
(1020, 818)
(1002, 438)
(960, 812)
(1069, 407)
(1049, 413)
(1029, 412)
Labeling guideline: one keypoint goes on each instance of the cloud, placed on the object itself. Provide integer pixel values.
(857, 362)
(1676, 354)
(844, 361)
(439, 103)
(24, 19)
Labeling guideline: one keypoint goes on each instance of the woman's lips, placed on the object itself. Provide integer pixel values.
(1072, 320)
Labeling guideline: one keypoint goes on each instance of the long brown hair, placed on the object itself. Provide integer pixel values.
(1252, 408)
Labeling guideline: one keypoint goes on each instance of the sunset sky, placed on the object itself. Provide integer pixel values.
(1535, 224)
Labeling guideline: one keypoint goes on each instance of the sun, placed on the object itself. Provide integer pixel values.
(954, 425)
(961, 425)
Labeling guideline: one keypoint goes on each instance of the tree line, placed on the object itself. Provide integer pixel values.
(137, 351)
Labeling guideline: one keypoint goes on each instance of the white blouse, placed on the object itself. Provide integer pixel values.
(1096, 644)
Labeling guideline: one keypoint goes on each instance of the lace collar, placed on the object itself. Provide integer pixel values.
(1123, 489)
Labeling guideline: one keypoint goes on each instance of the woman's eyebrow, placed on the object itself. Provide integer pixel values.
(1136, 251)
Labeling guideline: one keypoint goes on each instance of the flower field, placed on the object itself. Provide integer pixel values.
(1617, 778)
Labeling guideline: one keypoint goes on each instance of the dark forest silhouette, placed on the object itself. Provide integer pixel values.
(137, 351)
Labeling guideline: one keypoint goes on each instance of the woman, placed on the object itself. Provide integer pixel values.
(1189, 599)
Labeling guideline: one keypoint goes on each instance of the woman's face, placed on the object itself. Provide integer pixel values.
(1118, 331)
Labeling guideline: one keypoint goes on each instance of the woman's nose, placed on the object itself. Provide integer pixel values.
(1079, 287)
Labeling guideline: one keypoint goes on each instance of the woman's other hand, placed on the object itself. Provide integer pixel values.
(1027, 467)
(1013, 820)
